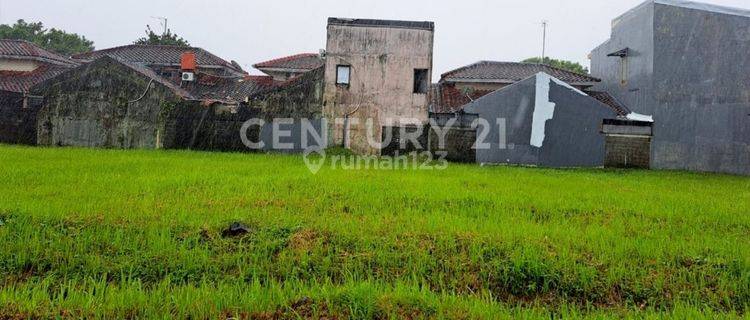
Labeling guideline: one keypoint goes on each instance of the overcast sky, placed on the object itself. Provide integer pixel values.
(251, 31)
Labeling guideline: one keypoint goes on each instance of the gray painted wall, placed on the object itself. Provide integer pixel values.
(698, 89)
(572, 136)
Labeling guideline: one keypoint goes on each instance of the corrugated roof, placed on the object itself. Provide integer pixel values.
(303, 62)
(511, 72)
(424, 25)
(157, 54)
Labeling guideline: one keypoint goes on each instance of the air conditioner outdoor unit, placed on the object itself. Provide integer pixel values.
(188, 76)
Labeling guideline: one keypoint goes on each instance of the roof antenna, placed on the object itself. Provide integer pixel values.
(163, 23)
(544, 40)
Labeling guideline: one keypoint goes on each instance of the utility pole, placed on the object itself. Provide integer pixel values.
(164, 21)
(544, 39)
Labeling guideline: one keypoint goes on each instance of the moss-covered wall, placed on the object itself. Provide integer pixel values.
(103, 105)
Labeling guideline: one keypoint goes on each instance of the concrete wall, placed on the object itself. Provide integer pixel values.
(382, 61)
(572, 136)
(689, 70)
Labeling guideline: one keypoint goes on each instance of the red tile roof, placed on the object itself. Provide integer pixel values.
(445, 98)
(610, 101)
(20, 81)
(301, 62)
(511, 72)
(24, 50)
(157, 54)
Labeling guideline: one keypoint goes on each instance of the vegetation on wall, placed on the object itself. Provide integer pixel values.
(55, 40)
(562, 64)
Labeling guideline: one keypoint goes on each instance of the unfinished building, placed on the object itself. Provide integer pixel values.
(376, 71)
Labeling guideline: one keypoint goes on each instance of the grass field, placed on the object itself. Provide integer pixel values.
(138, 234)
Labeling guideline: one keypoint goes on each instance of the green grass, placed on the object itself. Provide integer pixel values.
(137, 234)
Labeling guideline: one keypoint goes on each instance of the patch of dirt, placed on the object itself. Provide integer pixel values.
(306, 240)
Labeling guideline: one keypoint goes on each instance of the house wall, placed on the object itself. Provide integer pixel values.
(90, 107)
(17, 65)
(382, 61)
(572, 136)
(702, 90)
(689, 70)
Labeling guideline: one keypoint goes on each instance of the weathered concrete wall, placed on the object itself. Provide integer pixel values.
(571, 137)
(382, 61)
(18, 121)
(697, 89)
(627, 152)
(92, 107)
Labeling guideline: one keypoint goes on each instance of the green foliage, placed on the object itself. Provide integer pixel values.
(53, 39)
(168, 38)
(138, 234)
(562, 64)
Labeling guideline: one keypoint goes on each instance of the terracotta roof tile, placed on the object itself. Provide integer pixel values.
(303, 61)
(610, 101)
(19, 81)
(21, 49)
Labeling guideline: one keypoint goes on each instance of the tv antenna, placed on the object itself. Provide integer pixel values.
(544, 39)
(163, 21)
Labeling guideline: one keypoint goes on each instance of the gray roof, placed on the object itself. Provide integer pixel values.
(424, 25)
(512, 72)
(160, 55)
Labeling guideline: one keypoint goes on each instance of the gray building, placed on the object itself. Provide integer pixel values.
(541, 121)
(688, 65)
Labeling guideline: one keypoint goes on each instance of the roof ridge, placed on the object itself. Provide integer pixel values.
(221, 61)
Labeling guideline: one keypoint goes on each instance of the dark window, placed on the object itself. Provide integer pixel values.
(343, 74)
(420, 80)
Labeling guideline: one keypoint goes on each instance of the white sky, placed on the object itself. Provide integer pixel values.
(251, 31)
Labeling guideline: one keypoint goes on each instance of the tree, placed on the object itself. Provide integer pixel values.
(51, 39)
(167, 38)
(562, 64)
